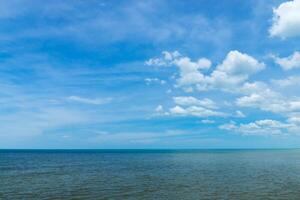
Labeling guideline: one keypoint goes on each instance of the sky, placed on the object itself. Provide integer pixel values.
(149, 74)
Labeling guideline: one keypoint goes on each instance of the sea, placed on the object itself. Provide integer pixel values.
(150, 174)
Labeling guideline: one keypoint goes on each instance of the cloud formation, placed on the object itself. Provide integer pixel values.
(286, 20)
(290, 62)
(235, 69)
(192, 101)
(232, 78)
(266, 127)
(196, 111)
(287, 82)
(191, 106)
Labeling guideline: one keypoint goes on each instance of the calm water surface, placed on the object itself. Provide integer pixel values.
(199, 174)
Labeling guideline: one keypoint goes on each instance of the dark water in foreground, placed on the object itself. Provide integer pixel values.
(199, 174)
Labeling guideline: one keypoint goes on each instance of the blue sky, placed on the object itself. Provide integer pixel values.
(149, 74)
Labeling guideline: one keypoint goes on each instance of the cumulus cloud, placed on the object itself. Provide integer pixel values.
(166, 59)
(260, 95)
(177, 110)
(234, 70)
(290, 62)
(237, 63)
(261, 127)
(191, 106)
(189, 71)
(287, 82)
(250, 101)
(286, 20)
(279, 106)
(196, 111)
(189, 101)
(232, 76)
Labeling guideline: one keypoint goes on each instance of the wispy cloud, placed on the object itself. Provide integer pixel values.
(93, 101)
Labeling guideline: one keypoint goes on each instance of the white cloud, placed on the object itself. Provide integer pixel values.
(96, 101)
(294, 105)
(190, 71)
(250, 101)
(230, 76)
(260, 95)
(234, 70)
(191, 106)
(294, 119)
(189, 101)
(280, 105)
(261, 127)
(207, 121)
(287, 82)
(154, 80)
(159, 108)
(286, 20)
(187, 66)
(177, 110)
(196, 111)
(237, 63)
(239, 114)
(290, 62)
(166, 59)
(265, 103)
(188, 89)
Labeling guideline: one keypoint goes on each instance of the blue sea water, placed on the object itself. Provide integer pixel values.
(149, 174)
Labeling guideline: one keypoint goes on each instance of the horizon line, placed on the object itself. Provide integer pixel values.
(144, 149)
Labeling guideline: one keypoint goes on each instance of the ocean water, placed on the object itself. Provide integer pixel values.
(150, 174)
